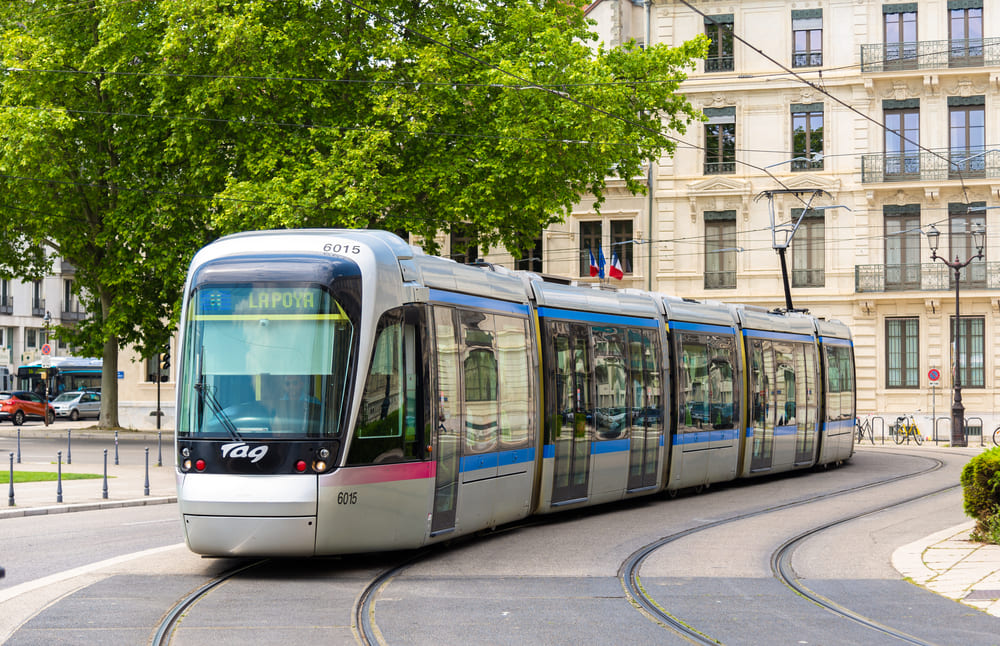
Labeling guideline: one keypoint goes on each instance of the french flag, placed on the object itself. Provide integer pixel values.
(600, 263)
(616, 267)
(593, 264)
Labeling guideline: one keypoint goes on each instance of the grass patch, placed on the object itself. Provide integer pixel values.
(44, 476)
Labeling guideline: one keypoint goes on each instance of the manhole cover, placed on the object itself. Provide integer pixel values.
(982, 595)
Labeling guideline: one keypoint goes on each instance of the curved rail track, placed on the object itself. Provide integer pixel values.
(628, 573)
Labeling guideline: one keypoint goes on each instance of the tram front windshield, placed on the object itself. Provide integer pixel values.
(264, 361)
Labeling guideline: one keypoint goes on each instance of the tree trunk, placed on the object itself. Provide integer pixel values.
(109, 385)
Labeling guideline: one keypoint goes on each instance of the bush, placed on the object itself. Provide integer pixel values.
(981, 485)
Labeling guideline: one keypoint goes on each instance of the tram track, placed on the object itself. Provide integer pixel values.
(628, 572)
(164, 633)
(781, 567)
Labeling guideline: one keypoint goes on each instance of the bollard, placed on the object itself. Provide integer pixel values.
(159, 449)
(69, 447)
(145, 489)
(116, 448)
(19, 446)
(10, 495)
(104, 491)
(59, 478)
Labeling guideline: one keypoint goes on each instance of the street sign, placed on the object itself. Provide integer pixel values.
(46, 349)
(933, 374)
(46, 361)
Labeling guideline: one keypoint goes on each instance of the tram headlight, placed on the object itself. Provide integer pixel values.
(324, 453)
(186, 465)
(319, 466)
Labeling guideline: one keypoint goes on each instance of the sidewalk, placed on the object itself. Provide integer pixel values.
(949, 564)
(126, 483)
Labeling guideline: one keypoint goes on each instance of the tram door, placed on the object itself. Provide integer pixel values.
(762, 410)
(573, 422)
(447, 448)
(647, 420)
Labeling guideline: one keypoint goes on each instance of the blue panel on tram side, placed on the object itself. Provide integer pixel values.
(609, 446)
(454, 298)
(785, 430)
(780, 336)
(706, 436)
(702, 327)
(593, 317)
(519, 456)
(492, 460)
(841, 425)
(548, 451)
(482, 461)
(830, 340)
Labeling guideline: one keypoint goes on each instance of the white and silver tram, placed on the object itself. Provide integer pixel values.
(341, 392)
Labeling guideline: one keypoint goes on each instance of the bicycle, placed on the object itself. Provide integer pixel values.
(996, 436)
(865, 426)
(905, 428)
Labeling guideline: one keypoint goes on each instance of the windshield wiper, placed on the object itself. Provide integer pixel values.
(208, 398)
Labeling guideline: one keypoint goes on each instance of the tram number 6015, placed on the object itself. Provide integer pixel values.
(347, 498)
(336, 247)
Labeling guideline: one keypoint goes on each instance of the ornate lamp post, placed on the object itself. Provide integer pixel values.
(957, 409)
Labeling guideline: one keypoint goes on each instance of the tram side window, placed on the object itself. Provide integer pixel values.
(761, 369)
(785, 392)
(840, 384)
(570, 411)
(516, 396)
(693, 383)
(612, 411)
(707, 381)
(644, 379)
(387, 429)
(479, 366)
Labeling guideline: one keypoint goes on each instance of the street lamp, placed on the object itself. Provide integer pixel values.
(957, 409)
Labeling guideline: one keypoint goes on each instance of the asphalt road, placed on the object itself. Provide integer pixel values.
(108, 577)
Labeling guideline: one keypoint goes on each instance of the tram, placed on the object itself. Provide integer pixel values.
(341, 392)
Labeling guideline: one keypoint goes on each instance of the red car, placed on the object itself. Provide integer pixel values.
(20, 405)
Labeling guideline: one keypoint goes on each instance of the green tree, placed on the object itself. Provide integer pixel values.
(133, 133)
(83, 178)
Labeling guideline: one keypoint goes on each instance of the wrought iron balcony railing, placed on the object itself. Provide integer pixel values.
(930, 166)
(38, 307)
(930, 54)
(719, 64)
(720, 168)
(720, 279)
(924, 277)
(7, 305)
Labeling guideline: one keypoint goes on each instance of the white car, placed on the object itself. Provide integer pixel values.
(77, 404)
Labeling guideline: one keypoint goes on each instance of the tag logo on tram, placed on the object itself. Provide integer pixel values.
(243, 450)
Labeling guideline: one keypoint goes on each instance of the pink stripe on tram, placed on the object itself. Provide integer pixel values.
(379, 473)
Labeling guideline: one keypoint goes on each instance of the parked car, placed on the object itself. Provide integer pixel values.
(19, 405)
(77, 404)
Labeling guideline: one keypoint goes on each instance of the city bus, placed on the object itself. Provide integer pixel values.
(64, 374)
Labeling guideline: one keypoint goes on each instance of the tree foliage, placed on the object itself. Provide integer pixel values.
(132, 133)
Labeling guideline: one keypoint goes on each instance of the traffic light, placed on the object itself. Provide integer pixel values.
(165, 365)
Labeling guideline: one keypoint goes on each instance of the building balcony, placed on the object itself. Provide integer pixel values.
(930, 54)
(73, 312)
(38, 307)
(720, 279)
(927, 277)
(7, 305)
(959, 163)
(719, 64)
